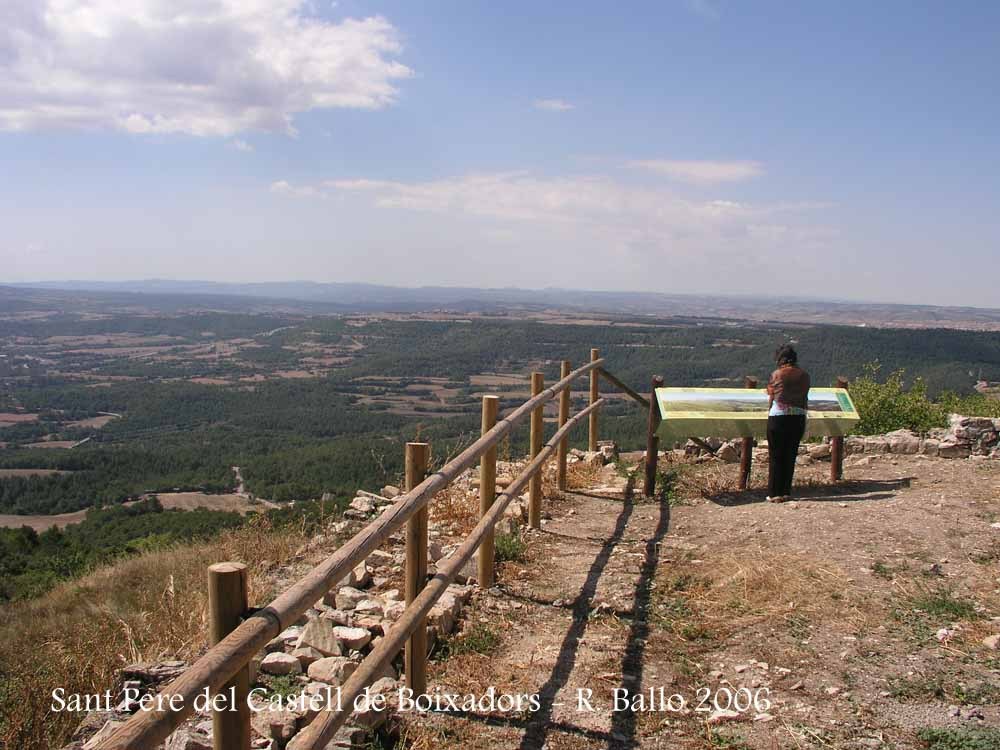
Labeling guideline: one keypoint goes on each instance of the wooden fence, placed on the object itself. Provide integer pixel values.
(238, 634)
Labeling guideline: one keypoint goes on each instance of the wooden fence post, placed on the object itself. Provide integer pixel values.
(415, 656)
(652, 439)
(487, 491)
(595, 354)
(537, 433)
(837, 447)
(564, 398)
(746, 453)
(227, 604)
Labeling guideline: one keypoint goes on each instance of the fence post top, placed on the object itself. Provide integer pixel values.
(418, 444)
(491, 397)
(227, 567)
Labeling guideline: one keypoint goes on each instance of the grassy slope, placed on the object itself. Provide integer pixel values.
(149, 607)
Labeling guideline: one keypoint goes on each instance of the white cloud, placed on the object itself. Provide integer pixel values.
(585, 211)
(240, 145)
(201, 67)
(703, 172)
(283, 187)
(553, 105)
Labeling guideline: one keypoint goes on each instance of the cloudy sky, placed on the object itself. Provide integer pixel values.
(836, 150)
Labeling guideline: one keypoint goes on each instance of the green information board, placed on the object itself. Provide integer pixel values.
(742, 412)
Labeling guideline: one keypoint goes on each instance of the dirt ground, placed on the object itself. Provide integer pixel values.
(854, 617)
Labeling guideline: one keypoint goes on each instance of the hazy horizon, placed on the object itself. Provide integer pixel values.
(842, 153)
(125, 285)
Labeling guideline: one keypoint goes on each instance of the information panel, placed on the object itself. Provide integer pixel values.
(742, 412)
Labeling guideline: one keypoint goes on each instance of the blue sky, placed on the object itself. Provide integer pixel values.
(837, 150)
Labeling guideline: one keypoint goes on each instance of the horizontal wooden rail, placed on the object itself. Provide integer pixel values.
(147, 728)
(624, 388)
(322, 729)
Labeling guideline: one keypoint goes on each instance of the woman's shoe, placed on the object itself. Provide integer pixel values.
(775, 499)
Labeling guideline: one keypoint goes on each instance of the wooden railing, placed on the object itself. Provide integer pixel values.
(237, 634)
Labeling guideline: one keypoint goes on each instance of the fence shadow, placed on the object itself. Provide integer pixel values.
(852, 490)
(540, 723)
(623, 723)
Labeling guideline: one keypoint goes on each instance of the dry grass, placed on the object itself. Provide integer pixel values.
(456, 508)
(150, 607)
(751, 585)
(582, 475)
(742, 589)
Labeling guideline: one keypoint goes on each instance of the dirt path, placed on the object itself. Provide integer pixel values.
(859, 612)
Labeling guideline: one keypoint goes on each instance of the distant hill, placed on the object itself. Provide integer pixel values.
(351, 297)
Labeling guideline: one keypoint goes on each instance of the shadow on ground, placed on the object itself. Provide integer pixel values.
(623, 729)
(842, 492)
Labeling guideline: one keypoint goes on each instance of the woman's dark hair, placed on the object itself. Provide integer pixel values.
(786, 355)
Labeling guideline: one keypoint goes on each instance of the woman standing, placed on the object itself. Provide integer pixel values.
(788, 400)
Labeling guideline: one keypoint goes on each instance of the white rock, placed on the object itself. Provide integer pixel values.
(876, 445)
(394, 610)
(368, 608)
(441, 618)
(333, 670)
(337, 616)
(359, 578)
(363, 504)
(461, 593)
(348, 596)
(820, 451)
(306, 656)
(378, 559)
(728, 453)
(992, 641)
(903, 442)
(286, 637)
(319, 634)
(948, 449)
(279, 726)
(353, 638)
(279, 662)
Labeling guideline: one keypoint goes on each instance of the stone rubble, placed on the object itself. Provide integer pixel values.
(963, 438)
(324, 648)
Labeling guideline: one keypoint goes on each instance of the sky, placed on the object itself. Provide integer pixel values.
(845, 150)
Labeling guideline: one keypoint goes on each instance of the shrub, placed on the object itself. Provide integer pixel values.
(960, 738)
(888, 405)
(509, 547)
(976, 405)
(477, 639)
